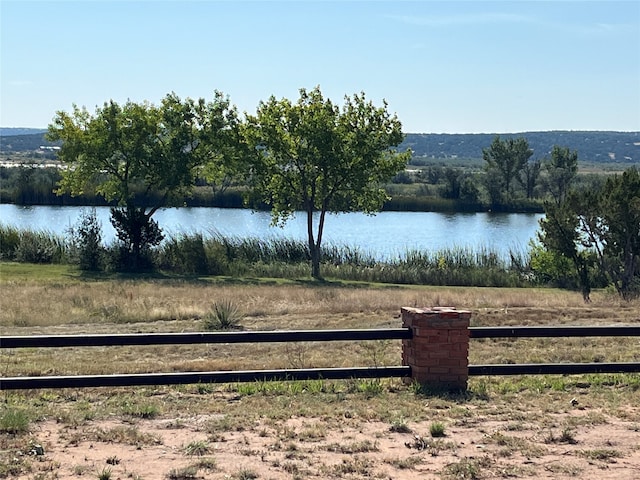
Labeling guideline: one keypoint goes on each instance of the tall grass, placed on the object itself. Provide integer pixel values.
(195, 254)
(286, 258)
(32, 246)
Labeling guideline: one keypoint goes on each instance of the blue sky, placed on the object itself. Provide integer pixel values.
(452, 67)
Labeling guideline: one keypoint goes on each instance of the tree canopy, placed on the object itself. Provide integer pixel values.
(561, 168)
(505, 159)
(316, 157)
(141, 155)
(599, 229)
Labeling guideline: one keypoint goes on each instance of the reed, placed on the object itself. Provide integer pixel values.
(32, 246)
(196, 254)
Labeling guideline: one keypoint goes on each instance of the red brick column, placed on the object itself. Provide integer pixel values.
(439, 350)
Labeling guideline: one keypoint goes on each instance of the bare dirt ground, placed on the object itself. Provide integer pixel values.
(301, 447)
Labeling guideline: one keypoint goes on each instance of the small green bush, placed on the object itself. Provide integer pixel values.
(224, 315)
(105, 474)
(436, 429)
(13, 420)
(86, 241)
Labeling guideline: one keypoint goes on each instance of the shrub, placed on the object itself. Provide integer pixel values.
(216, 253)
(436, 429)
(551, 268)
(118, 258)
(224, 315)
(14, 420)
(86, 241)
(137, 233)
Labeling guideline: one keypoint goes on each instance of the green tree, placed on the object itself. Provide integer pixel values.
(529, 176)
(458, 185)
(601, 228)
(505, 160)
(316, 157)
(620, 214)
(143, 156)
(561, 234)
(452, 183)
(561, 168)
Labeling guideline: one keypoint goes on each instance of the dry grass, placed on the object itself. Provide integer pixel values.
(315, 429)
(77, 307)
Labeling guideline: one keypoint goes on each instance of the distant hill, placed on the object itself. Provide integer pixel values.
(23, 143)
(591, 146)
(9, 131)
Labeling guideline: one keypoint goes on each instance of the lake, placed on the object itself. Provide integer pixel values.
(385, 236)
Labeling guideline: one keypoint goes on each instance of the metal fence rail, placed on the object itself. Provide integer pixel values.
(182, 378)
(553, 332)
(553, 368)
(117, 380)
(559, 332)
(119, 340)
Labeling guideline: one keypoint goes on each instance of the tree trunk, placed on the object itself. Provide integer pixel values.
(315, 262)
(628, 270)
(314, 249)
(315, 242)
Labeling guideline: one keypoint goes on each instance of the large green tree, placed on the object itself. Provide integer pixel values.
(505, 160)
(316, 157)
(142, 156)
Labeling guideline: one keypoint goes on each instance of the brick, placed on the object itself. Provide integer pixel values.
(436, 339)
(449, 362)
(441, 353)
(429, 332)
(438, 370)
(460, 354)
(457, 337)
(425, 359)
(459, 347)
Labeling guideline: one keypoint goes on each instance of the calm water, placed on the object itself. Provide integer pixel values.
(385, 235)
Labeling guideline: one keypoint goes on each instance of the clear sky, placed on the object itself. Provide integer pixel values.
(443, 67)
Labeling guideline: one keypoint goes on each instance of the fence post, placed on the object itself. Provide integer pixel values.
(438, 352)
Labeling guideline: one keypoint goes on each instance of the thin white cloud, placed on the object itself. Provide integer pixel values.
(20, 83)
(596, 28)
(495, 18)
(462, 20)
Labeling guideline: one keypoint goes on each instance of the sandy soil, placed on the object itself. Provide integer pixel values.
(288, 449)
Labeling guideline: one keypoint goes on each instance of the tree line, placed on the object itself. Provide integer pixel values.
(594, 232)
(314, 156)
(603, 147)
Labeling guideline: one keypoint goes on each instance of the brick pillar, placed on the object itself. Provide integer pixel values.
(438, 352)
